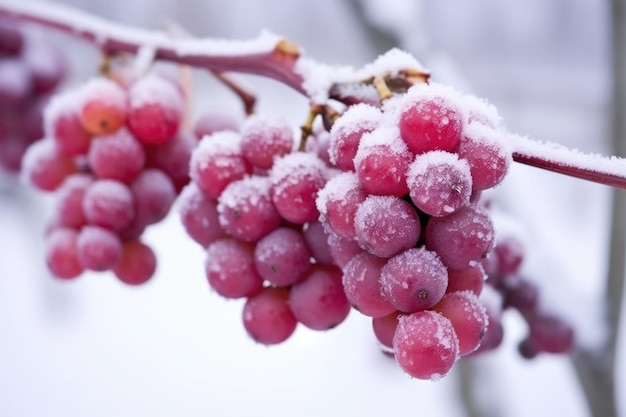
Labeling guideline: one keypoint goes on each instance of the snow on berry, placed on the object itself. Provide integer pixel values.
(296, 180)
(361, 282)
(468, 316)
(488, 154)
(265, 137)
(425, 345)
(347, 131)
(98, 249)
(386, 225)
(381, 162)
(439, 183)
(61, 122)
(156, 108)
(45, 166)
(109, 204)
(282, 257)
(230, 268)
(461, 239)
(431, 118)
(118, 156)
(245, 209)
(481, 111)
(338, 202)
(199, 216)
(102, 106)
(217, 161)
(414, 280)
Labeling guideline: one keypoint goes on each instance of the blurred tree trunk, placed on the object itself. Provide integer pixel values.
(596, 370)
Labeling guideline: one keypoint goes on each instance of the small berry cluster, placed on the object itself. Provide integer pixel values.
(116, 157)
(405, 213)
(30, 70)
(546, 332)
(252, 205)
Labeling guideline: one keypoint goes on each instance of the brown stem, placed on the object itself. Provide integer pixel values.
(247, 98)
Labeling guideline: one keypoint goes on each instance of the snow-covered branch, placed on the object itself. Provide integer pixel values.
(273, 57)
(267, 55)
(557, 158)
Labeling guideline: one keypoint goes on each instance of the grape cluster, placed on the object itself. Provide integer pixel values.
(252, 205)
(116, 156)
(382, 214)
(405, 209)
(30, 70)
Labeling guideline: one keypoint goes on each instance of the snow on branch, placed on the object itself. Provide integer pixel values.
(273, 57)
(267, 55)
(557, 158)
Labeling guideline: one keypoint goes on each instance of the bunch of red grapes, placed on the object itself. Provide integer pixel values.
(115, 154)
(30, 70)
(382, 214)
(252, 204)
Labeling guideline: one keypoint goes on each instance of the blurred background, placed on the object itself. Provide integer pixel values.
(95, 347)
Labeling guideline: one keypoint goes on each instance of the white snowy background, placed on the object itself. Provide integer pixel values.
(95, 347)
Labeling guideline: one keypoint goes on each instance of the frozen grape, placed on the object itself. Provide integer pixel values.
(45, 166)
(69, 200)
(216, 162)
(230, 268)
(267, 317)
(520, 294)
(385, 226)
(61, 123)
(173, 157)
(137, 265)
(468, 316)
(264, 138)
(296, 180)
(154, 194)
(462, 239)
(98, 249)
(118, 156)
(414, 280)
(156, 109)
(62, 253)
(347, 131)
(439, 183)
(382, 161)
(431, 119)
(384, 329)
(199, 216)
(342, 250)
(468, 279)
(103, 106)
(425, 345)
(487, 155)
(362, 285)
(319, 302)
(338, 202)
(245, 209)
(317, 239)
(282, 257)
(109, 203)
(550, 334)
